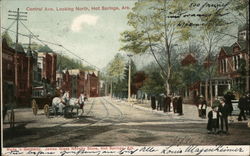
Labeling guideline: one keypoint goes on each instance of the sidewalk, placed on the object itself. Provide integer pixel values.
(190, 111)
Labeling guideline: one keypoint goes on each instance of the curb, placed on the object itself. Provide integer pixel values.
(142, 108)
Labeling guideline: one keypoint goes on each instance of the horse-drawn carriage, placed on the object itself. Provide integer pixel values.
(55, 105)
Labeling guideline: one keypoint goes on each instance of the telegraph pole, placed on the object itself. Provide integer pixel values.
(17, 16)
(129, 77)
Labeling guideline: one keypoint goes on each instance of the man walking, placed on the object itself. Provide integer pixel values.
(242, 106)
(203, 107)
(175, 104)
(179, 105)
(224, 112)
(153, 102)
(81, 102)
(168, 102)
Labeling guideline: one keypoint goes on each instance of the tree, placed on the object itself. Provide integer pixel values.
(8, 38)
(211, 39)
(154, 83)
(154, 30)
(64, 62)
(45, 48)
(121, 86)
(35, 46)
(115, 70)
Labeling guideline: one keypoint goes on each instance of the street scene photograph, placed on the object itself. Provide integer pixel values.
(132, 73)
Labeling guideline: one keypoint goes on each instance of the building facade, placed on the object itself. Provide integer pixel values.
(77, 81)
(17, 71)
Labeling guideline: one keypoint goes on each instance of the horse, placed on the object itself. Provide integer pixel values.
(58, 104)
(74, 103)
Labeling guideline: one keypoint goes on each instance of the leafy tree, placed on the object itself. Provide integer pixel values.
(45, 48)
(64, 62)
(121, 86)
(116, 67)
(115, 70)
(154, 83)
(211, 39)
(8, 38)
(35, 46)
(154, 30)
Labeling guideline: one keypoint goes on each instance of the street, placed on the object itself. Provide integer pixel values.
(107, 122)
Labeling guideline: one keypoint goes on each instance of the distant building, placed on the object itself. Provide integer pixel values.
(93, 85)
(46, 62)
(77, 81)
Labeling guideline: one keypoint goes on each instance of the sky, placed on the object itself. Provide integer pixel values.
(91, 34)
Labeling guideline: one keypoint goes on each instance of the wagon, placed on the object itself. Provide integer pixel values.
(41, 103)
(40, 100)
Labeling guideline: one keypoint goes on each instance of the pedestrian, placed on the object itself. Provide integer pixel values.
(229, 96)
(164, 103)
(213, 120)
(81, 102)
(168, 102)
(199, 105)
(179, 105)
(224, 112)
(203, 107)
(160, 100)
(248, 103)
(175, 104)
(242, 106)
(153, 102)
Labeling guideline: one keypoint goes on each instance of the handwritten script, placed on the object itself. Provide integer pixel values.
(130, 150)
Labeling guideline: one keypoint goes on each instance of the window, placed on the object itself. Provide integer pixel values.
(221, 66)
(225, 65)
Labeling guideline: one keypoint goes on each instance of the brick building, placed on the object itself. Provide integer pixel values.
(230, 71)
(47, 64)
(76, 81)
(189, 59)
(92, 84)
(17, 71)
(8, 73)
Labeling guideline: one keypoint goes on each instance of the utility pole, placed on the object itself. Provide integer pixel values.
(17, 16)
(129, 77)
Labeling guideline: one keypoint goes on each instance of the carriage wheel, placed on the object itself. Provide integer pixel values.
(12, 119)
(46, 110)
(34, 107)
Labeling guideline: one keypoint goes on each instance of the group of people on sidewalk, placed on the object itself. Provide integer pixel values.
(165, 102)
(222, 108)
(218, 117)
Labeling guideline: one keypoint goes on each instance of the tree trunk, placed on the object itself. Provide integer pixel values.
(211, 92)
(111, 89)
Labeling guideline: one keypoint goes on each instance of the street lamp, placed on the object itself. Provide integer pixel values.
(129, 76)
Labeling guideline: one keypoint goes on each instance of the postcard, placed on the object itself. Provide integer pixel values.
(125, 77)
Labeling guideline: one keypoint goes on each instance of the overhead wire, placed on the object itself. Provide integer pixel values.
(10, 25)
(56, 44)
(60, 46)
